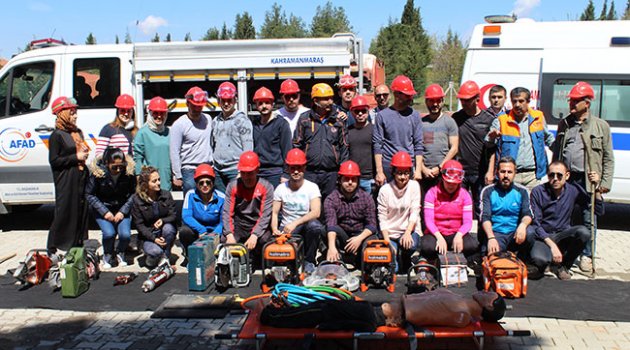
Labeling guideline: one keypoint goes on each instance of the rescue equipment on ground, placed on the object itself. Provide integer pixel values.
(34, 268)
(202, 262)
(453, 269)
(378, 265)
(332, 274)
(73, 273)
(422, 277)
(233, 266)
(505, 274)
(282, 261)
(158, 276)
(125, 279)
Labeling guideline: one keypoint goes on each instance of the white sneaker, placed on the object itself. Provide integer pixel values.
(121, 260)
(586, 264)
(106, 265)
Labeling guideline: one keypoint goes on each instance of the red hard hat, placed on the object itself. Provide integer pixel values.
(226, 90)
(349, 168)
(347, 81)
(401, 160)
(125, 101)
(289, 86)
(204, 170)
(196, 96)
(581, 90)
(453, 172)
(403, 84)
(263, 94)
(158, 104)
(62, 103)
(359, 102)
(248, 162)
(296, 157)
(469, 89)
(433, 91)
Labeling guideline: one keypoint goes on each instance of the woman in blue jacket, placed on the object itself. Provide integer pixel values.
(201, 211)
(108, 191)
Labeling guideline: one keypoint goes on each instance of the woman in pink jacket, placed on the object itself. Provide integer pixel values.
(448, 216)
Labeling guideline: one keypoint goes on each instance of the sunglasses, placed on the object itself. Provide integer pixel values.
(558, 176)
(118, 167)
(360, 111)
(291, 96)
(204, 183)
(381, 95)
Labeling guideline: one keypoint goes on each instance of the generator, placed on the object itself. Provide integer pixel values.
(232, 266)
(422, 277)
(378, 266)
(282, 262)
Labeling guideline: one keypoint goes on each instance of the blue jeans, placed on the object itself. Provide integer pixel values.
(366, 185)
(168, 232)
(405, 253)
(123, 228)
(188, 177)
(508, 242)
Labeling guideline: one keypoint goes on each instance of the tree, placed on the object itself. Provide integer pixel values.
(90, 40)
(211, 34)
(226, 34)
(448, 61)
(168, 37)
(128, 37)
(612, 13)
(626, 13)
(276, 25)
(156, 38)
(117, 40)
(329, 20)
(187, 37)
(604, 13)
(589, 12)
(244, 27)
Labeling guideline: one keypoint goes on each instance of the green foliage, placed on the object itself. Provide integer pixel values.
(117, 40)
(448, 62)
(244, 27)
(211, 34)
(168, 37)
(90, 40)
(612, 13)
(277, 25)
(187, 37)
(128, 37)
(226, 34)
(329, 20)
(404, 47)
(156, 38)
(626, 13)
(604, 13)
(589, 12)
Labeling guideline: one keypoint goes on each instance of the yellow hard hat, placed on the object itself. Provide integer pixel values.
(322, 90)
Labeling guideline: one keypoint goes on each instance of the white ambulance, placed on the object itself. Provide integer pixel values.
(96, 74)
(548, 58)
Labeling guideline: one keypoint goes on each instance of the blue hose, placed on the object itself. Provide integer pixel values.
(296, 296)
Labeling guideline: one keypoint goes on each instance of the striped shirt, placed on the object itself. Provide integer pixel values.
(118, 137)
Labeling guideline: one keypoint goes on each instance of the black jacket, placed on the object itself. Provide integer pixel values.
(143, 218)
(105, 196)
(324, 142)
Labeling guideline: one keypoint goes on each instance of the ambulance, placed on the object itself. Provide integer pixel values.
(96, 74)
(548, 58)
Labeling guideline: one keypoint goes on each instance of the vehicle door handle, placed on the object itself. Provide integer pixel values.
(44, 128)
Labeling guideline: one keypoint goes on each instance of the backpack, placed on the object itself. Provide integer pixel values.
(504, 273)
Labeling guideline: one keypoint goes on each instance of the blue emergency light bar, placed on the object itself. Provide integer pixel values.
(490, 42)
(620, 41)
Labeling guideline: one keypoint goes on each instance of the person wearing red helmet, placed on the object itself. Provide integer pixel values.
(399, 209)
(360, 142)
(350, 216)
(67, 153)
(189, 140)
(591, 164)
(231, 136)
(448, 217)
(299, 202)
(272, 137)
(151, 144)
(475, 154)
(347, 91)
(202, 208)
(292, 109)
(398, 128)
(120, 132)
(248, 206)
(440, 136)
(522, 134)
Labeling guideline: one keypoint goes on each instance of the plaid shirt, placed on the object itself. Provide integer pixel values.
(352, 215)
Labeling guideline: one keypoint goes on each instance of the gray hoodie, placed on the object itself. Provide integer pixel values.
(230, 138)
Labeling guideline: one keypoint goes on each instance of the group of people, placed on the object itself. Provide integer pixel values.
(338, 175)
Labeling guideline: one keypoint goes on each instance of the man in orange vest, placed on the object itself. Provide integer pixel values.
(522, 134)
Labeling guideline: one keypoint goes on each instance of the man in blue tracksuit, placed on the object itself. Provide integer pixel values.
(505, 213)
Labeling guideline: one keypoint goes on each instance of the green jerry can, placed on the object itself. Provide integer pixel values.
(201, 262)
(74, 278)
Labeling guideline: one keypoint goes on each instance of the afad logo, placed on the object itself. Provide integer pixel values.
(14, 145)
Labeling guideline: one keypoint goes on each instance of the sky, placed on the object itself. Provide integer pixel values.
(26, 20)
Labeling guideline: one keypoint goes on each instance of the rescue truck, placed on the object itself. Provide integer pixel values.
(548, 58)
(96, 74)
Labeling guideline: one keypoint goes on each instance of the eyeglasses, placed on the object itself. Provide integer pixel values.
(451, 174)
(381, 95)
(205, 183)
(558, 176)
(360, 111)
(291, 96)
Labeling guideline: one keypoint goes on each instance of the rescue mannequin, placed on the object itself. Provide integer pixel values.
(441, 307)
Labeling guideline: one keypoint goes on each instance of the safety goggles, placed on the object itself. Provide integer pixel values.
(226, 92)
(558, 176)
(198, 97)
(453, 175)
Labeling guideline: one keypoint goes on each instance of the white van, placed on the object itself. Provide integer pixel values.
(548, 58)
(96, 74)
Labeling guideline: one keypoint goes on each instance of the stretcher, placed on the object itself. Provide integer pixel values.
(252, 329)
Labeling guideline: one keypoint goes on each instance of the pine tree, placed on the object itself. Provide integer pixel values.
(589, 12)
(244, 27)
(448, 61)
(329, 20)
(128, 37)
(276, 25)
(612, 13)
(626, 13)
(117, 40)
(187, 37)
(168, 37)
(156, 38)
(226, 34)
(604, 13)
(211, 34)
(90, 40)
